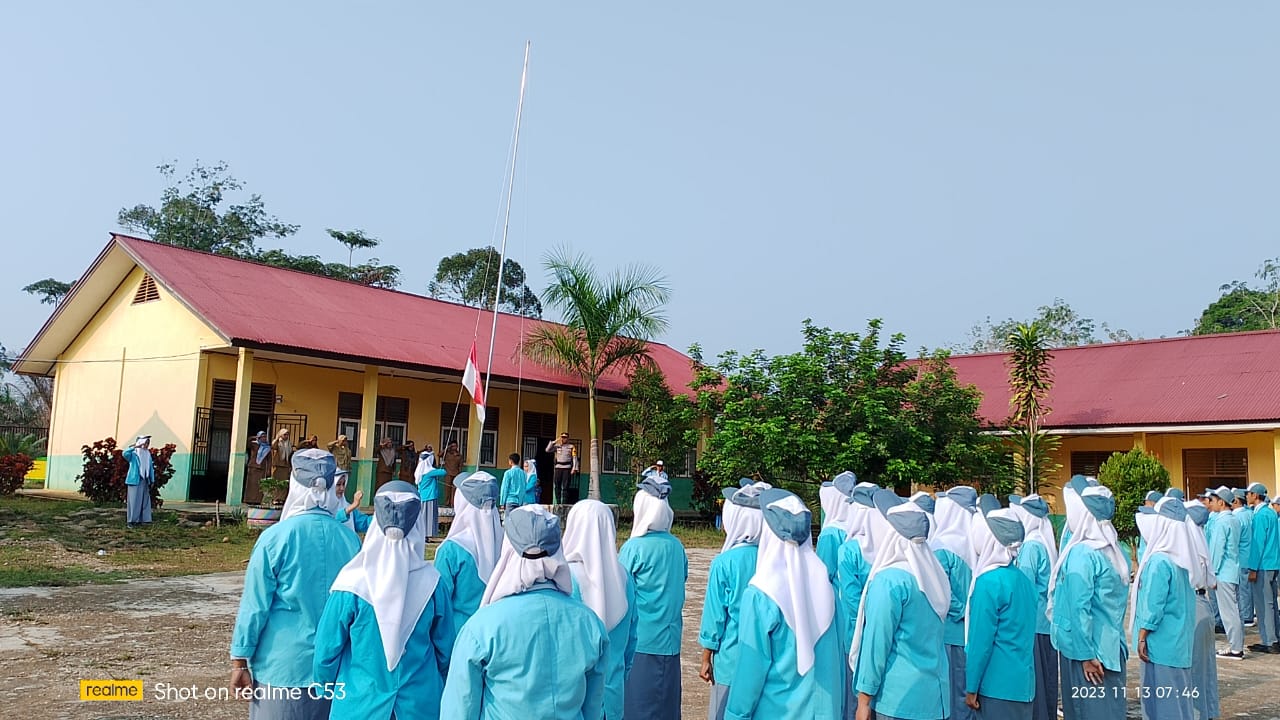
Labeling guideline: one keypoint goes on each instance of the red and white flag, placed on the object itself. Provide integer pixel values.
(471, 381)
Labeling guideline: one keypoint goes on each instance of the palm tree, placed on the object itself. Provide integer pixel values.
(1030, 379)
(607, 323)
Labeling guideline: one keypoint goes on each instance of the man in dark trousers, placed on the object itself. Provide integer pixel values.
(566, 464)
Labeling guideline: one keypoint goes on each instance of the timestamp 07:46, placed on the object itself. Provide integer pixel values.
(1142, 692)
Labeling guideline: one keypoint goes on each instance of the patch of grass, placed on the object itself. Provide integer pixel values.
(26, 567)
(691, 535)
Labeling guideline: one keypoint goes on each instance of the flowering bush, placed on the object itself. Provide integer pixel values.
(105, 470)
(13, 470)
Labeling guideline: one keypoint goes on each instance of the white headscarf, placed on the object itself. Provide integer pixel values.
(829, 499)
(515, 573)
(896, 551)
(146, 470)
(426, 463)
(742, 525)
(302, 498)
(860, 525)
(1165, 536)
(650, 513)
(1203, 577)
(793, 576)
(1088, 531)
(393, 578)
(991, 553)
(1036, 528)
(477, 530)
(590, 547)
(952, 523)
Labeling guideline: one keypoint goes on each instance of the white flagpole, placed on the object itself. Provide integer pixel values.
(506, 222)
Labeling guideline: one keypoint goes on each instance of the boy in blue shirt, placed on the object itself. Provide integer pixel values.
(514, 482)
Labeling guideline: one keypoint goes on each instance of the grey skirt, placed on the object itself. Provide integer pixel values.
(653, 688)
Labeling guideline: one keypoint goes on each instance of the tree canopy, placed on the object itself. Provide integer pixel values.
(1242, 307)
(50, 291)
(471, 278)
(1060, 324)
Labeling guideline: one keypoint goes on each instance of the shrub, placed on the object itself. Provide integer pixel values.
(1130, 476)
(13, 470)
(105, 470)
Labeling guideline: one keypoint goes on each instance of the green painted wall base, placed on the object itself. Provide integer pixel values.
(64, 474)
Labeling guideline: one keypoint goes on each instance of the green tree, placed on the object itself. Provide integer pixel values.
(1242, 307)
(195, 213)
(471, 278)
(607, 323)
(24, 400)
(50, 291)
(1130, 476)
(353, 239)
(657, 424)
(1030, 380)
(1060, 325)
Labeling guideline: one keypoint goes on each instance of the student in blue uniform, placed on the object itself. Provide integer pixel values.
(1263, 564)
(727, 580)
(349, 513)
(657, 564)
(835, 527)
(954, 517)
(900, 665)
(532, 486)
(1163, 611)
(531, 651)
(138, 482)
(1000, 678)
(1087, 593)
(386, 634)
(285, 588)
(1204, 659)
(853, 565)
(427, 476)
(514, 482)
(1150, 500)
(1244, 594)
(591, 549)
(1036, 558)
(468, 555)
(1223, 536)
(789, 653)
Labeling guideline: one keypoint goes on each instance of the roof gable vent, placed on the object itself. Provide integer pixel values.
(147, 290)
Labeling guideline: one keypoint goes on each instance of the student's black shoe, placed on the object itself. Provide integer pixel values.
(1230, 655)
(1259, 647)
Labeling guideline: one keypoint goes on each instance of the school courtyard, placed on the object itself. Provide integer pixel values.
(173, 632)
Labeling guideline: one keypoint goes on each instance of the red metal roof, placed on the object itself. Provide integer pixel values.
(257, 305)
(1206, 379)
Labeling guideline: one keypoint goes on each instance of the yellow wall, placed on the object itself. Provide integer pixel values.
(160, 342)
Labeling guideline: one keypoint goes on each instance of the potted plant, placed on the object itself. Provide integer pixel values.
(268, 511)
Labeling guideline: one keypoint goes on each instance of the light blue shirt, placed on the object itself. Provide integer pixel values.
(537, 655)
(768, 683)
(1167, 608)
(513, 487)
(531, 489)
(292, 565)
(622, 650)
(1033, 561)
(657, 564)
(349, 651)
(1264, 546)
(1223, 534)
(960, 577)
(852, 570)
(134, 475)
(901, 662)
(1245, 516)
(1089, 602)
(1002, 618)
(727, 580)
(459, 581)
(828, 549)
(358, 519)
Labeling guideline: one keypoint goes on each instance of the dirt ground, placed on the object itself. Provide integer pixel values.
(173, 634)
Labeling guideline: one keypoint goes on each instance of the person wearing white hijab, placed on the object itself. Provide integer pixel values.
(386, 632)
(427, 477)
(788, 662)
(853, 565)
(1000, 678)
(286, 585)
(138, 482)
(590, 547)
(657, 564)
(727, 579)
(350, 515)
(531, 650)
(1087, 592)
(899, 663)
(835, 525)
(1162, 610)
(1036, 557)
(1204, 657)
(952, 543)
(469, 554)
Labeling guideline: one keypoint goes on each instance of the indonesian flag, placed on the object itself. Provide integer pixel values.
(471, 381)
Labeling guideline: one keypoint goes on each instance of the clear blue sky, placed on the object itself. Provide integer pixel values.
(927, 163)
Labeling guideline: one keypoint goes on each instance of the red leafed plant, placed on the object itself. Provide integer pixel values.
(13, 470)
(105, 470)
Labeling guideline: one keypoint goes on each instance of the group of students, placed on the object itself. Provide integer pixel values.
(512, 619)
